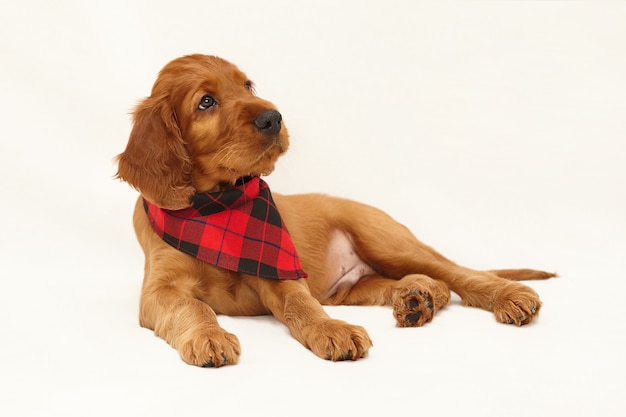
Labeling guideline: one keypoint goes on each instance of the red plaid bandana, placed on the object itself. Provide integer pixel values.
(239, 229)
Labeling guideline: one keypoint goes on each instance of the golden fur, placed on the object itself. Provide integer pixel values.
(354, 254)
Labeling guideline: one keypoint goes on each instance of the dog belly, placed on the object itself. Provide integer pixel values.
(345, 267)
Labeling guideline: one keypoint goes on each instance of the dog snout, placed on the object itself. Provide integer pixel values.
(269, 122)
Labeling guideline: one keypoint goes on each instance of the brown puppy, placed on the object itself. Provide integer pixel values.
(200, 131)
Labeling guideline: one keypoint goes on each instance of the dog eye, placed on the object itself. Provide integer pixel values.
(206, 102)
(250, 86)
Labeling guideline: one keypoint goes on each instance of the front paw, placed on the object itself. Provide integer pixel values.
(516, 304)
(337, 340)
(209, 347)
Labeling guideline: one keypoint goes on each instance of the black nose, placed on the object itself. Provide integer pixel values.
(268, 122)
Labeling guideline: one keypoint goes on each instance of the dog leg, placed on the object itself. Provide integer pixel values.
(169, 308)
(415, 298)
(511, 302)
(393, 251)
(292, 304)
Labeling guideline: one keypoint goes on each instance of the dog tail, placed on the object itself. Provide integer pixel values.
(523, 274)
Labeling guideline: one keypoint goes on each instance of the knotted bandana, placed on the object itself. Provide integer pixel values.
(239, 229)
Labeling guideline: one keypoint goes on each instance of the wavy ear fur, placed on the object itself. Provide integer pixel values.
(155, 161)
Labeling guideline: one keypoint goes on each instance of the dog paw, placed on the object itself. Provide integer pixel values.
(417, 303)
(413, 308)
(516, 304)
(337, 340)
(210, 347)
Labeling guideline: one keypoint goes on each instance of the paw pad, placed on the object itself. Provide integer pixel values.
(413, 308)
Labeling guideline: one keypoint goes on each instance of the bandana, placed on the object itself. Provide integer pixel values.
(239, 229)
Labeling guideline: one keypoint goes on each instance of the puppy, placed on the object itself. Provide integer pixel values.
(216, 241)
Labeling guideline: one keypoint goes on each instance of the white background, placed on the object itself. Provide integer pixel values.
(494, 130)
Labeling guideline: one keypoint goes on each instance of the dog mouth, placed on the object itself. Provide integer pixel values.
(261, 164)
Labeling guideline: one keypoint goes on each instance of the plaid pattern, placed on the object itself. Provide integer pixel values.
(239, 229)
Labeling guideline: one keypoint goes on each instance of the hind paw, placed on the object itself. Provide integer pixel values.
(418, 299)
(413, 308)
(516, 304)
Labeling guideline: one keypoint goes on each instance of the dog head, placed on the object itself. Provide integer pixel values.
(201, 129)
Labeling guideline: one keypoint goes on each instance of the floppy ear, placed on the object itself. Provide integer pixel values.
(155, 161)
